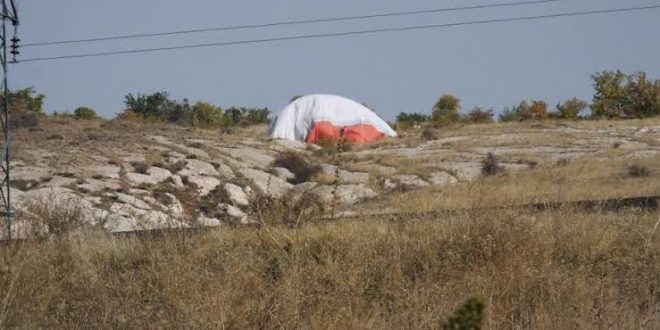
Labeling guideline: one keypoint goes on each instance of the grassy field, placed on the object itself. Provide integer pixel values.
(558, 269)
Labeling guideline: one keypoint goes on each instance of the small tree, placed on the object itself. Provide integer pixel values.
(479, 115)
(571, 108)
(149, 106)
(642, 96)
(625, 96)
(205, 114)
(610, 97)
(525, 111)
(411, 118)
(84, 113)
(445, 111)
(538, 109)
(25, 100)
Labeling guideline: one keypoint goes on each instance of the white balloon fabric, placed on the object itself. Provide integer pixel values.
(296, 119)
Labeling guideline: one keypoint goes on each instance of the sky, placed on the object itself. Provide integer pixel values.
(489, 65)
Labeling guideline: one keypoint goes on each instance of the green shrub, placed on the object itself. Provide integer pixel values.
(247, 116)
(84, 113)
(205, 114)
(149, 106)
(470, 316)
(571, 108)
(524, 111)
(445, 111)
(619, 95)
(411, 118)
(158, 106)
(25, 100)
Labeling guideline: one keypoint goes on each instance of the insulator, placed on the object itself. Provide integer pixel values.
(15, 52)
(15, 40)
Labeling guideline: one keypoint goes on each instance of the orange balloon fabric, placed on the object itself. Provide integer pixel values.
(361, 133)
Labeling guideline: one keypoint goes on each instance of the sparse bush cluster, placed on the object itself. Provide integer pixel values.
(25, 107)
(302, 168)
(617, 95)
(411, 118)
(159, 107)
(84, 113)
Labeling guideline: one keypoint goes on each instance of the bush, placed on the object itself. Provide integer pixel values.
(625, 96)
(25, 100)
(524, 111)
(429, 135)
(149, 106)
(205, 114)
(469, 316)
(128, 115)
(298, 165)
(479, 115)
(538, 110)
(247, 116)
(445, 111)
(571, 108)
(490, 165)
(638, 171)
(158, 106)
(411, 118)
(24, 120)
(84, 113)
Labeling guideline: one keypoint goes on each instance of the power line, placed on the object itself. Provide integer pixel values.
(338, 34)
(283, 23)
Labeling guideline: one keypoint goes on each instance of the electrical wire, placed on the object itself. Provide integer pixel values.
(338, 34)
(306, 21)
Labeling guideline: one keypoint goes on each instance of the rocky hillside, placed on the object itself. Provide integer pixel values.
(129, 176)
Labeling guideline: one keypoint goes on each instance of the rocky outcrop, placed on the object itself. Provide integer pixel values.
(266, 183)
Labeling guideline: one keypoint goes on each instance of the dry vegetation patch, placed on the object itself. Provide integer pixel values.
(560, 269)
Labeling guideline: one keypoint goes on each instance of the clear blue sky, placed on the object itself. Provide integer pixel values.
(492, 65)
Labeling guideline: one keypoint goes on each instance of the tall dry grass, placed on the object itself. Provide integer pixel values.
(554, 270)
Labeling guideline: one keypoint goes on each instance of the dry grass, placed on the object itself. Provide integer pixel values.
(570, 181)
(554, 270)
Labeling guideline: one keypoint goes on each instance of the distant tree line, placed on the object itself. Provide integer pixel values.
(617, 95)
(159, 107)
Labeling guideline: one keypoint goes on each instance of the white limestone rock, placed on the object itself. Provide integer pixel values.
(409, 181)
(177, 181)
(204, 184)
(442, 178)
(105, 171)
(284, 173)
(353, 177)
(205, 221)
(236, 194)
(345, 194)
(266, 183)
(196, 167)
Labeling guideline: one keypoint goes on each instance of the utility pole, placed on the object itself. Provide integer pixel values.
(9, 15)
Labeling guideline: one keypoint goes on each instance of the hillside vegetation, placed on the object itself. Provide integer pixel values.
(396, 234)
